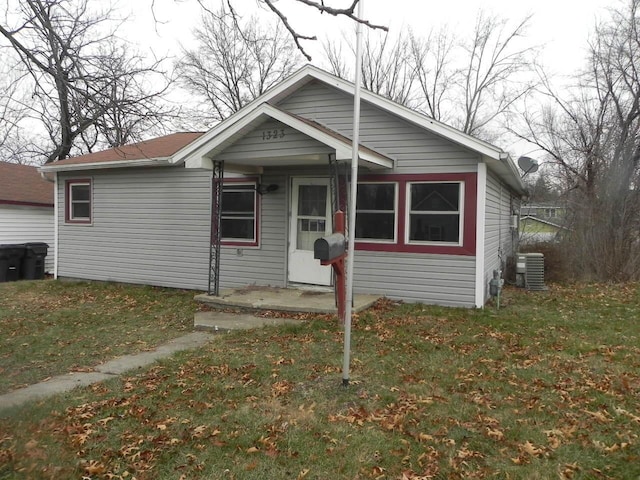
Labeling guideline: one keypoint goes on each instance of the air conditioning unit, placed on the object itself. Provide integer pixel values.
(530, 271)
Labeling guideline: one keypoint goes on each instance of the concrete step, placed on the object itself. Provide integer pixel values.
(282, 299)
(218, 321)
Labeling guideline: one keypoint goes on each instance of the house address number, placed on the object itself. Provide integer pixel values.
(272, 134)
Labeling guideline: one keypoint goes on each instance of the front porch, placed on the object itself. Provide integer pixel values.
(253, 299)
(295, 300)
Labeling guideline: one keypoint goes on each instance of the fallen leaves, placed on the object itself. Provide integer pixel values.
(437, 394)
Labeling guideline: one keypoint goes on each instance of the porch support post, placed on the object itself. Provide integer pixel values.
(214, 244)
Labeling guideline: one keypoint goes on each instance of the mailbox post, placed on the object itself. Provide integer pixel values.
(331, 250)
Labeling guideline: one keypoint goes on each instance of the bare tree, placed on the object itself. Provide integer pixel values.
(388, 68)
(468, 82)
(489, 81)
(347, 11)
(235, 62)
(80, 75)
(432, 57)
(592, 137)
(12, 111)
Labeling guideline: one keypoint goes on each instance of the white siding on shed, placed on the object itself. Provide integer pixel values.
(21, 224)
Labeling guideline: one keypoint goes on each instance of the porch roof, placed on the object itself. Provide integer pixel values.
(202, 153)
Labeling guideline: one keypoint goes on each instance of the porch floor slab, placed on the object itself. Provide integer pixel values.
(283, 299)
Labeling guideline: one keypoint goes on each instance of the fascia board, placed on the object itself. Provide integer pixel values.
(146, 162)
(274, 92)
(343, 149)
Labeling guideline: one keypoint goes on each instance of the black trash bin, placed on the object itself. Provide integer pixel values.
(33, 260)
(10, 262)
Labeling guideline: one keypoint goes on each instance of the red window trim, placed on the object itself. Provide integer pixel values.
(67, 201)
(468, 247)
(247, 243)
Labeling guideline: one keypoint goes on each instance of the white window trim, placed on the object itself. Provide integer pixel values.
(70, 218)
(460, 212)
(254, 189)
(396, 213)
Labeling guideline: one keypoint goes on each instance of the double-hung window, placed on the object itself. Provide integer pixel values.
(238, 213)
(78, 208)
(434, 212)
(376, 208)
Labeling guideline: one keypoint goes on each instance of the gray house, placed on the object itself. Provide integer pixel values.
(434, 206)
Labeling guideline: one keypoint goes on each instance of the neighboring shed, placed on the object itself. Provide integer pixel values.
(26, 208)
(434, 208)
(536, 230)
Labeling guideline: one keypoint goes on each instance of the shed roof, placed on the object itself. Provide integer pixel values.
(23, 185)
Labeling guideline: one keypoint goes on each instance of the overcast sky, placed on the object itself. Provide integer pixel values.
(561, 26)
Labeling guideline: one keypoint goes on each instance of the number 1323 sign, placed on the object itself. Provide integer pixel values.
(272, 134)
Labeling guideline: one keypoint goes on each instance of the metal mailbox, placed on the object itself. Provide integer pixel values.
(329, 247)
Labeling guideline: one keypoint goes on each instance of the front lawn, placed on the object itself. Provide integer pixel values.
(547, 387)
(53, 327)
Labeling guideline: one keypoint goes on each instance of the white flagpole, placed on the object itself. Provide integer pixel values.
(351, 230)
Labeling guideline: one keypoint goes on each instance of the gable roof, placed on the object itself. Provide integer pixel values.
(156, 151)
(23, 185)
(226, 137)
(498, 161)
(198, 146)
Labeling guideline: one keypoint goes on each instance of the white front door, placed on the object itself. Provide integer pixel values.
(310, 220)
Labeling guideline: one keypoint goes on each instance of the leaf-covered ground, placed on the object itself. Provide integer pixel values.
(53, 327)
(547, 387)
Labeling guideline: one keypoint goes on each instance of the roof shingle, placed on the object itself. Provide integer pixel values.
(160, 147)
(23, 185)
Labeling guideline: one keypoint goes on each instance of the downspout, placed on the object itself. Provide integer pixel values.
(55, 226)
(55, 219)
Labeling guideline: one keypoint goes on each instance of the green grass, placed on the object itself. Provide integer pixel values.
(547, 387)
(53, 327)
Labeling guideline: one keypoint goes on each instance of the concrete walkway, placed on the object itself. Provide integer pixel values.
(105, 371)
(214, 321)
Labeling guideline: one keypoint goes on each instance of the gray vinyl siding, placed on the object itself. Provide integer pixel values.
(427, 278)
(434, 279)
(499, 237)
(263, 265)
(293, 143)
(415, 150)
(150, 226)
(21, 224)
